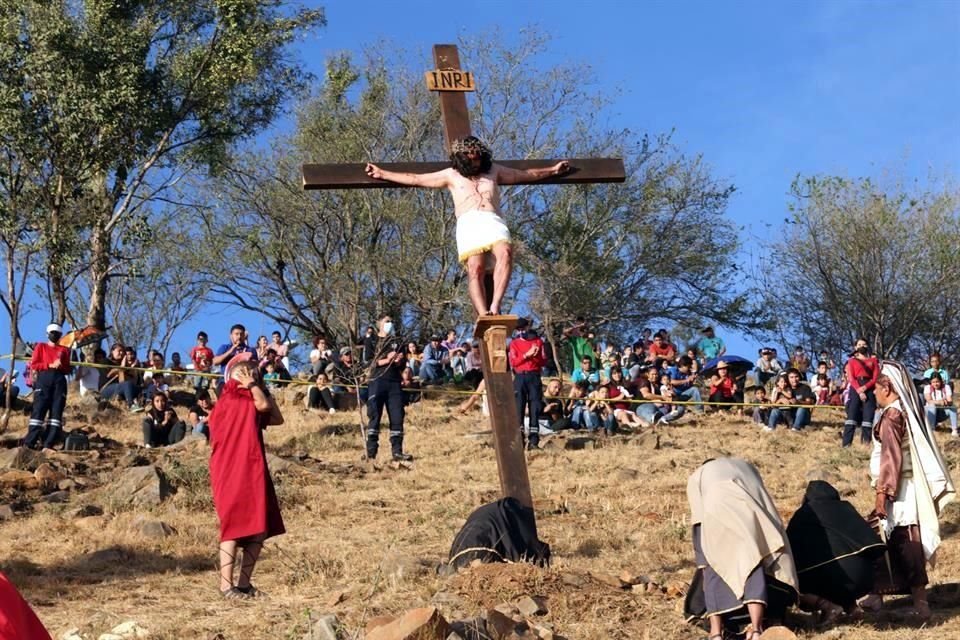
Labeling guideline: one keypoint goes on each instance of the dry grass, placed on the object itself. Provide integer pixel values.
(344, 517)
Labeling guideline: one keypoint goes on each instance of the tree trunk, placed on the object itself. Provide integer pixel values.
(99, 275)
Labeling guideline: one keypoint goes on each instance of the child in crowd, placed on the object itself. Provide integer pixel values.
(158, 385)
(410, 386)
(202, 357)
(822, 389)
(670, 412)
(760, 414)
(577, 406)
(271, 378)
(599, 411)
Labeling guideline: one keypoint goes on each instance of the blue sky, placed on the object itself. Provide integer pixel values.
(764, 90)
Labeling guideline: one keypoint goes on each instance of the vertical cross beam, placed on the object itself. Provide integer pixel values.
(508, 442)
(453, 104)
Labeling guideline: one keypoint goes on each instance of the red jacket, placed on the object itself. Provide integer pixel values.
(44, 354)
(856, 369)
(521, 364)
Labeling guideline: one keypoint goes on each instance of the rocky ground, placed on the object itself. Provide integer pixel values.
(120, 541)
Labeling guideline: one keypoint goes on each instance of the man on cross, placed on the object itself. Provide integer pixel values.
(483, 240)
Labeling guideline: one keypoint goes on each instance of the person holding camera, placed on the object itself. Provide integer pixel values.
(161, 426)
(237, 345)
(385, 390)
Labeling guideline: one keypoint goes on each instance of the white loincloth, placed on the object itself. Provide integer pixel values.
(477, 232)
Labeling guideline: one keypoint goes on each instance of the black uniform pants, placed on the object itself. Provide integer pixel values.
(389, 394)
(528, 391)
(859, 412)
(49, 400)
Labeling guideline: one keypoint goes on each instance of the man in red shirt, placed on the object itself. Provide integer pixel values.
(50, 364)
(527, 360)
(661, 349)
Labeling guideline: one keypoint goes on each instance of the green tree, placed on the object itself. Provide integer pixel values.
(872, 258)
(127, 98)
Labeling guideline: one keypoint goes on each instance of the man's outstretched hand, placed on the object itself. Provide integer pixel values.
(561, 168)
(374, 171)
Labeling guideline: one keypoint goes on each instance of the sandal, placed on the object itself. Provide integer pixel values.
(251, 591)
(750, 633)
(233, 593)
(830, 613)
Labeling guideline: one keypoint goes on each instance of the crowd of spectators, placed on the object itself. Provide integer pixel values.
(608, 387)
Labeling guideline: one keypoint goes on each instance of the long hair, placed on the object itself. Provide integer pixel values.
(463, 165)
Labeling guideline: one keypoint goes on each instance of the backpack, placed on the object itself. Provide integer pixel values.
(76, 440)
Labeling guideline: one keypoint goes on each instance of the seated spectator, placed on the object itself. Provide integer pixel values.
(630, 363)
(161, 427)
(761, 414)
(176, 365)
(154, 363)
(414, 358)
(609, 359)
(710, 346)
(262, 345)
(411, 387)
(599, 412)
(158, 384)
(661, 349)
(199, 414)
(648, 387)
(577, 405)
(800, 361)
(682, 378)
(7, 380)
(936, 368)
(822, 389)
(91, 378)
(554, 412)
(473, 366)
(832, 372)
(939, 404)
(794, 392)
(458, 361)
(619, 390)
(202, 357)
(767, 367)
(723, 388)
(270, 376)
(450, 344)
(671, 412)
(320, 395)
(345, 373)
(586, 374)
(121, 381)
(435, 360)
(824, 370)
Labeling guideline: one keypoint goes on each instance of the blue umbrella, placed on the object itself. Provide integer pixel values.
(736, 366)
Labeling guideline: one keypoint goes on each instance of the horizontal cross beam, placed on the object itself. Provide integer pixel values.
(353, 176)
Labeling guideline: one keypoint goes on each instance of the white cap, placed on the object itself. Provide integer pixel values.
(53, 327)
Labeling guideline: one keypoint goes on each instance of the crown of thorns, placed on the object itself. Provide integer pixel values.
(469, 144)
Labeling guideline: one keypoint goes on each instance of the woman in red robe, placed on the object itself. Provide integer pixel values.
(17, 619)
(243, 492)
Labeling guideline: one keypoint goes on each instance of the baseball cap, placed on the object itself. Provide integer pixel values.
(53, 327)
(344, 351)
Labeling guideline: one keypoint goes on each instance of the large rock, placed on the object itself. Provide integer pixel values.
(20, 458)
(150, 528)
(18, 479)
(326, 628)
(48, 477)
(144, 486)
(425, 623)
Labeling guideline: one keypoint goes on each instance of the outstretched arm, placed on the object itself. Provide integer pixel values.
(435, 180)
(506, 175)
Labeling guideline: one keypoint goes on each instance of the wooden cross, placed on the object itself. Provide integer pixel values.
(492, 331)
